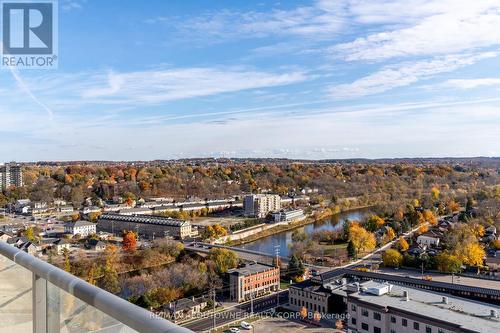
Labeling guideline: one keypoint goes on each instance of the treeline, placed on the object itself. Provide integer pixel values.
(369, 183)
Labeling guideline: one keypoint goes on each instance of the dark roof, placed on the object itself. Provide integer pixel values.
(145, 219)
(250, 269)
(339, 273)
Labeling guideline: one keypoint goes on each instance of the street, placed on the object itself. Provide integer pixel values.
(240, 311)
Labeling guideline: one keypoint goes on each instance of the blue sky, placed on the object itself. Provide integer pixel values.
(299, 79)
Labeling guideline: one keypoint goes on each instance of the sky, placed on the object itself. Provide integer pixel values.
(145, 80)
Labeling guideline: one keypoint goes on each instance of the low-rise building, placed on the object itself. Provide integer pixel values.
(378, 308)
(289, 215)
(252, 280)
(60, 245)
(186, 308)
(146, 226)
(82, 228)
(429, 239)
(136, 211)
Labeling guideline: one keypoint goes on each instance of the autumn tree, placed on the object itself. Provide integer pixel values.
(448, 263)
(392, 258)
(430, 217)
(374, 222)
(435, 193)
(67, 263)
(363, 240)
(470, 254)
(224, 259)
(129, 243)
(402, 244)
(109, 279)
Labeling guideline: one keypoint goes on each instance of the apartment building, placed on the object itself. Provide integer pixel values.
(259, 205)
(376, 307)
(145, 225)
(252, 280)
(10, 175)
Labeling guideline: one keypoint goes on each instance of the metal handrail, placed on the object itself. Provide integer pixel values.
(129, 314)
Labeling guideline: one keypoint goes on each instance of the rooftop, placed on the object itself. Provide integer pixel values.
(250, 269)
(467, 314)
(145, 219)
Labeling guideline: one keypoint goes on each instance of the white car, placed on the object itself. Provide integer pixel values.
(234, 330)
(246, 325)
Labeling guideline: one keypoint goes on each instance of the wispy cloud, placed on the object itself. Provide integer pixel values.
(404, 74)
(155, 86)
(470, 83)
(440, 27)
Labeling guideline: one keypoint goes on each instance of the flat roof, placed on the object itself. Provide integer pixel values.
(250, 269)
(468, 314)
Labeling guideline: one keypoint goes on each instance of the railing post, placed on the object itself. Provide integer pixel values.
(46, 315)
(39, 304)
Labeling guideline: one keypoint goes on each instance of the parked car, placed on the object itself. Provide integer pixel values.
(234, 330)
(245, 325)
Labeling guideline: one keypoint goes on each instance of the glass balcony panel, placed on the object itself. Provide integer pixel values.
(71, 315)
(16, 302)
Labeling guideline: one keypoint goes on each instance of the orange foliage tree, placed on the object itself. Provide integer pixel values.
(129, 241)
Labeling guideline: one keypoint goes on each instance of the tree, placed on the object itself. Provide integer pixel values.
(435, 193)
(402, 244)
(430, 217)
(109, 280)
(295, 267)
(471, 254)
(67, 263)
(392, 258)
(362, 240)
(224, 259)
(303, 312)
(129, 241)
(30, 234)
(448, 263)
(374, 222)
(352, 252)
(495, 244)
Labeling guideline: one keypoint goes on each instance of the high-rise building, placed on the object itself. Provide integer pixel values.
(10, 175)
(259, 205)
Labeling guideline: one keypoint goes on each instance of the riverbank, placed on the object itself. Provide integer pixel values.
(315, 217)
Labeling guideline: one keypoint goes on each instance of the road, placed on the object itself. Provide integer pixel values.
(239, 311)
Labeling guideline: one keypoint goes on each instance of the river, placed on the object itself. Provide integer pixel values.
(282, 240)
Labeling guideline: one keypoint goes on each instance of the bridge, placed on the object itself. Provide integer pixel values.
(250, 255)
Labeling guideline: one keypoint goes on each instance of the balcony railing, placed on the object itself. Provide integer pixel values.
(37, 297)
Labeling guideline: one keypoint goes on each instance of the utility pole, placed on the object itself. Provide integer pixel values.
(213, 308)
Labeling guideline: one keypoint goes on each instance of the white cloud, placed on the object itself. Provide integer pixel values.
(470, 83)
(441, 27)
(151, 87)
(403, 74)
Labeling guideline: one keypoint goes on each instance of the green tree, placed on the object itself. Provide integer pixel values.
(295, 267)
(352, 252)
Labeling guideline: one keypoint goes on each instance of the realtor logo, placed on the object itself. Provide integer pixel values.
(29, 34)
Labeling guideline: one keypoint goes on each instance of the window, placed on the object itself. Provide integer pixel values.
(416, 326)
(353, 321)
(377, 316)
(440, 330)
(377, 330)
(353, 307)
(404, 322)
(393, 331)
(393, 319)
(428, 329)
(364, 312)
(364, 326)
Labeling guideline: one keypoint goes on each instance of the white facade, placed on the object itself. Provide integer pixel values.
(291, 215)
(259, 205)
(428, 240)
(83, 228)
